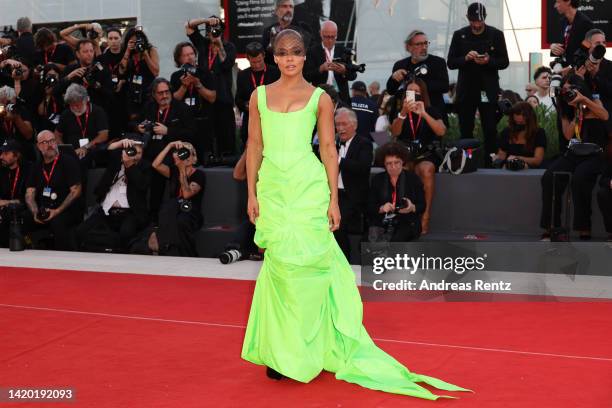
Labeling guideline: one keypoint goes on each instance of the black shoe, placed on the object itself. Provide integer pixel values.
(273, 374)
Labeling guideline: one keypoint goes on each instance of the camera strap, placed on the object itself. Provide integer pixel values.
(48, 176)
(15, 180)
(50, 54)
(83, 129)
(578, 126)
(211, 57)
(261, 80)
(136, 62)
(414, 130)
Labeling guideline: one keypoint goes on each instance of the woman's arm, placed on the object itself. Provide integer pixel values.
(188, 189)
(240, 172)
(596, 109)
(66, 34)
(536, 160)
(254, 156)
(151, 57)
(436, 125)
(158, 163)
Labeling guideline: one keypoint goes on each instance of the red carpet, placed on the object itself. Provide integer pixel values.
(127, 361)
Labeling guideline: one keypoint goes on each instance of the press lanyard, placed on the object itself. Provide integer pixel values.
(48, 176)
(578, 127)
(165, 116)
(14, 188)
(83, 129)
(261, 81)
(414, 130)
(211, 58)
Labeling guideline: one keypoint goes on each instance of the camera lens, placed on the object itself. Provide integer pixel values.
(131, 151)
(183, 153)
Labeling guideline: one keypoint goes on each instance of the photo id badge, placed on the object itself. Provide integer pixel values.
(483, 97)
(190, 101)
(54, 118)
(137, 80)
(83, 142)
(47, 192)
(115, 80)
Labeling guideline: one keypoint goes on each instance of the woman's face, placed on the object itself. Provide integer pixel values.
(519, 119)
(533, 101)
(114, 40)
(414, 87)
(393, 165)
(290, 56)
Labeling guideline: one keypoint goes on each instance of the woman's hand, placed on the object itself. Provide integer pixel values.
(386, 208)
(333, 215)
(253, 209)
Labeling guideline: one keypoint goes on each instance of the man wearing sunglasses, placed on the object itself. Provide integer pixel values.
(421, 64)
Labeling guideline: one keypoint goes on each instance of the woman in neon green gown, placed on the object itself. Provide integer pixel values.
(306, 314)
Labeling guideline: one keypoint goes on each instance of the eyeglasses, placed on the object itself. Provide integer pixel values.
(421, 44)
(329, 37)
(167, 91)
(254, 47)
(47, 142)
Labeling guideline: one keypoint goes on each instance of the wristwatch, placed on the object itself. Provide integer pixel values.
(401, 117)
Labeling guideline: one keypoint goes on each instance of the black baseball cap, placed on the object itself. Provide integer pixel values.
(10, 146)
(476, 12)
(359, 86)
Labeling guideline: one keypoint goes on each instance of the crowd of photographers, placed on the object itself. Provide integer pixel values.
(93, 98)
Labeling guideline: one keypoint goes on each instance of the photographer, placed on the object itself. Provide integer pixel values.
(604, 195)
(194, 86)
(258, 73)
(478, 51)
(180, 216)
(583, 121)
(599, 74)
(111, 58)
(24, 43)
(419, 126)
(434, 73)
(574, 26)
(49, 51)
(354, 162)
(16, 122)
(52, 192)
(522, 143)
(122, 195)
(140, 66)
(21, 78)
(219, 57)
(89, 73)
(51, 106)
(93, 32)
(396, 199)
(325, 65)
(13, 176)
(163, 120)
(83, 125)
(283, 11)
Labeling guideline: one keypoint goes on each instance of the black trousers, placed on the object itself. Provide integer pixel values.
(62, 228)
(488, 118)
(125, 224)
(604, 199)
(584, 175)
(176, 234)
(225, 128)
(351, 223)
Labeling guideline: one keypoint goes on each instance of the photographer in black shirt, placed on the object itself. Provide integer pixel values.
(52, 193)
(218, 56)
(194, 86)
(429, 68)
(89, 73)
(50, 52)
(50, 106)
(180, 216)
(13, 175)
(16, 122)
(478, 51)
(258, 73)
(599, 72)
(111, 58)
(140, 66)
(574, 26)
(583, 121)
(92, 31)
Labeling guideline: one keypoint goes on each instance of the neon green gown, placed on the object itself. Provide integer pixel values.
(306, 313)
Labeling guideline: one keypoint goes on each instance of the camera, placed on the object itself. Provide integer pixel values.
(148, 129)
(43, 214)
(131, 151)
(216, 30)
(90, 75)
(347, 60)
(230, 256)
(183, 153)
(92, 34)
(141, 44)
(418, 72)
(185, 205)
(583, 54)
(12, 214)
(48, 81)
(8, 70)
(569, 95)
(188, 69)
(515, 164)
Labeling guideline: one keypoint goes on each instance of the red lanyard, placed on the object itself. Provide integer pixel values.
(15, 183)
(83, 129)
(578, 127)
(414, 130)
(9, 127)
(261, 81)
(49, 55)
(566, 36)
(136, 61)
(211, 58)
(48, 176)
(393, 195)
(165, 116)
(52, 101)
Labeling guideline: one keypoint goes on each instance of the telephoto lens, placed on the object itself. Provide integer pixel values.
(131, 151)
(230, 256)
